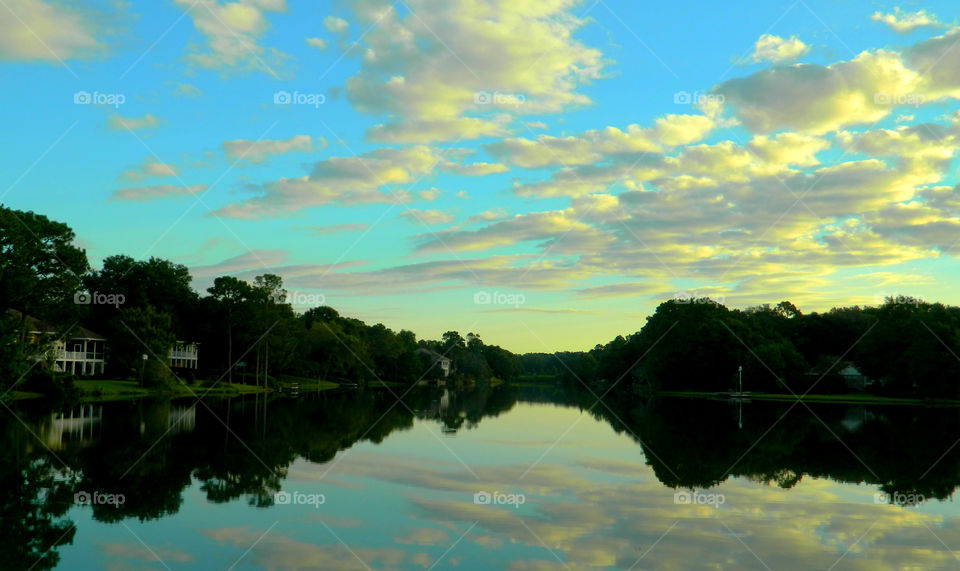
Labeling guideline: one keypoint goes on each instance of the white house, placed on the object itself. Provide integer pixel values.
(82, 352)
(79, 351)
(184, 355)
(446, 365)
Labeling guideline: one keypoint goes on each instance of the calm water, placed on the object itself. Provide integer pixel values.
(486, 479)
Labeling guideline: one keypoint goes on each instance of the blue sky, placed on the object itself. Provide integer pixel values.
(573, 163)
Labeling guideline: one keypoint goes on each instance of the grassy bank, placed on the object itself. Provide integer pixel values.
(99, 390)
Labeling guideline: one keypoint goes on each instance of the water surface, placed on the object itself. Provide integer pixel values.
(508, 478)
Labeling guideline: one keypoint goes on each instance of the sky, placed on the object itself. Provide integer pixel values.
(541, 172)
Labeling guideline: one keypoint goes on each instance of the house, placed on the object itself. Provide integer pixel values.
(446, 365)
(82, 352)
(853, 377)
(184, 355)
(79, 351)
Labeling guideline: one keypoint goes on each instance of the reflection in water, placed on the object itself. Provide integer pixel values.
(791, 476)
(79, 426)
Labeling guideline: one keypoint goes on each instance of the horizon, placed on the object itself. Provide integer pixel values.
(543, 175)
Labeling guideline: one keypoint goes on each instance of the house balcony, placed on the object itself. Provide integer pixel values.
(89, 356)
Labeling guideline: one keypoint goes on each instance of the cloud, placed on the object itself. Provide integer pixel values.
(149, 169)
(429, 194)
(597, 145)
(157, 192)
(118, 123)
(775, 49)
(558, 230)
(474, 169)
(231, 32)
(136, 551)
(906, 22)
(817, 99)
(259, 151)
(335, 229)
(316, 43)
(364, 179)
(35, 30)
(185, 89)
(462, 69)
(428, 217)
(424, 536)
(335, 25)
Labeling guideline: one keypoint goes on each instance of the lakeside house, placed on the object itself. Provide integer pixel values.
(446, 365)
(184, 355)
(850, 374)
(83, 352)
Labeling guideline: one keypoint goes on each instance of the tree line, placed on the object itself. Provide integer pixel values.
(905, 347)
(248, 331)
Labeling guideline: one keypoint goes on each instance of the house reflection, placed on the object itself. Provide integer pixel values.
(80, 426)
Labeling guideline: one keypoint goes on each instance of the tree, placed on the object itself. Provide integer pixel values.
(231, 294)
(40, 271)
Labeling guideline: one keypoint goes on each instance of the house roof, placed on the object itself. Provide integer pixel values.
(35, 325)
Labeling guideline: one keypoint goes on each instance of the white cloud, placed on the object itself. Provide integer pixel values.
(778, 50)
(118, 123)
(335, 25)
(364, 179)
(317, 43)
(906, 22)
(259, 151)
(36, 30)
(232, 31)
(148, 193)
(445, 70)
(428, 217)
(149, 169)
(185, 90)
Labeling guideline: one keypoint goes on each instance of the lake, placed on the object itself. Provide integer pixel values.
(514, 477)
